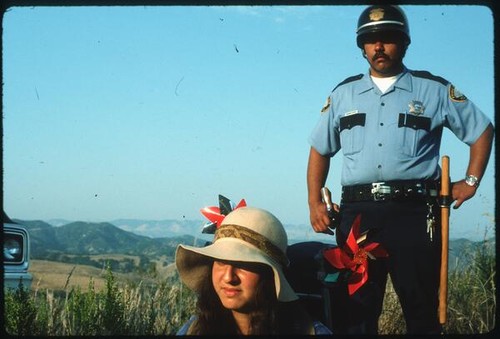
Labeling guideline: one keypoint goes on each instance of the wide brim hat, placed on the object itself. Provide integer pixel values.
(247, 234)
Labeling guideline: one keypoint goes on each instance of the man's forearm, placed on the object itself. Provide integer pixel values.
(480, 153)
(317, 172)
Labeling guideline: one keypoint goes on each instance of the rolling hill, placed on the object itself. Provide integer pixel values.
(85, 238)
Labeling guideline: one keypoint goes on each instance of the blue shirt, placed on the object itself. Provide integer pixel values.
(319, 327)
(394, 135)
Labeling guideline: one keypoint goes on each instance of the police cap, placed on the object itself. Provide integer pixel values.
(381, 18)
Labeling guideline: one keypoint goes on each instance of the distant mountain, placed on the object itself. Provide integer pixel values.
(84, 238)
(170, 227)
(98, 238)
(58, 222)
(161, 228)
(463, 251)
(42, 235)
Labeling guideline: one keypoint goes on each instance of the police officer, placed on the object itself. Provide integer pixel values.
(388, 124)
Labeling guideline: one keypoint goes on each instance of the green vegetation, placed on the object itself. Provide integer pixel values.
(472, 301)
(161, 308)
(471, 295)
(117, 310)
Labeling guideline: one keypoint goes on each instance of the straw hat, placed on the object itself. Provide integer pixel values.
(246, 234)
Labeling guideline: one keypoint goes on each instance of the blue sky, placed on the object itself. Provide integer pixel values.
(151, 112)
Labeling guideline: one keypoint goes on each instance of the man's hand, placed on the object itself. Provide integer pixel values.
(461, 192)
(320, 221)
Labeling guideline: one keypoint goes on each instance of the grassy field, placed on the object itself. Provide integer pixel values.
(69, 300)
(56, 276)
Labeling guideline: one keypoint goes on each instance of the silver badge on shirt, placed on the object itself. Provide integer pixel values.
(416, 107)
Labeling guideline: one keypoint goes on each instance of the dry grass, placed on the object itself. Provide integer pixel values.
(53, 275)
(391, 320)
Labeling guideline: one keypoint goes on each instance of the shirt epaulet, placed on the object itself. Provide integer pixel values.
(430, 76)
(349, 79)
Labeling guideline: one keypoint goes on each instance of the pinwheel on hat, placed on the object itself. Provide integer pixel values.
(217, 214)
(354, 255)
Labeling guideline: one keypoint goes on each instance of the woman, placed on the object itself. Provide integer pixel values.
(239, 280)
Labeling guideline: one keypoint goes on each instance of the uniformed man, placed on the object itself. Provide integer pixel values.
(388, 124)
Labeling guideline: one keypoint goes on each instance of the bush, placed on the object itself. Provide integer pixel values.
(472, 292)
(131, 309)
(20, 312)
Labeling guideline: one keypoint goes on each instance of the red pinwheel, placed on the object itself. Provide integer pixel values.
(213, 214)
(217, 214)
(354, 256)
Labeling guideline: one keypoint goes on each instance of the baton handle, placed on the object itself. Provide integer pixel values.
(445, 215)
(325, 196)
(332, 214)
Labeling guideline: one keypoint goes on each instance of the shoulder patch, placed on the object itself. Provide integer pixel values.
(430, 76)
(348, 80)
(456, 95)
(326, 105)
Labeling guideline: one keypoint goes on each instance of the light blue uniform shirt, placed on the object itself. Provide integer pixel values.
(395, 135)
(319, 327)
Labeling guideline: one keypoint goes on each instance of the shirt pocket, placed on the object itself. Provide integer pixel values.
(411, 129)
(352, 136)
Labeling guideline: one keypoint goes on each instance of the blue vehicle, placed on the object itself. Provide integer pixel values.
(16, 253)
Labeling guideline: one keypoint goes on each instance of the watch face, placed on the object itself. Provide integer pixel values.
(471, 180)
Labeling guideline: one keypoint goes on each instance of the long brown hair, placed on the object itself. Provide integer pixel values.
(269, 316)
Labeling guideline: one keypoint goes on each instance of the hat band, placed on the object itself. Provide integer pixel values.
(253, 238)
(377, 23)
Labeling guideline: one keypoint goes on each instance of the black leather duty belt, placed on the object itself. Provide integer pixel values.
(391, 190)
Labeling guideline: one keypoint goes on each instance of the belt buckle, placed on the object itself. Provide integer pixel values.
(380, 190)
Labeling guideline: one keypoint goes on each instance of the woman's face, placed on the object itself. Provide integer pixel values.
(236, 284)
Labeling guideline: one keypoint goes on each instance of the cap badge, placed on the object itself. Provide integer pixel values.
(376, 14)
(416, 107)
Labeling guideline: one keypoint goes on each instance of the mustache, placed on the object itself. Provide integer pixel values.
(380, 55)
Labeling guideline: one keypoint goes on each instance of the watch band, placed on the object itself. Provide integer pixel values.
(471, 180)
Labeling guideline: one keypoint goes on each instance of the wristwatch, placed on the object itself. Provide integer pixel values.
(472, 180)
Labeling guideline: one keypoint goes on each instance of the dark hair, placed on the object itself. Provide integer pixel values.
(270, 317)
